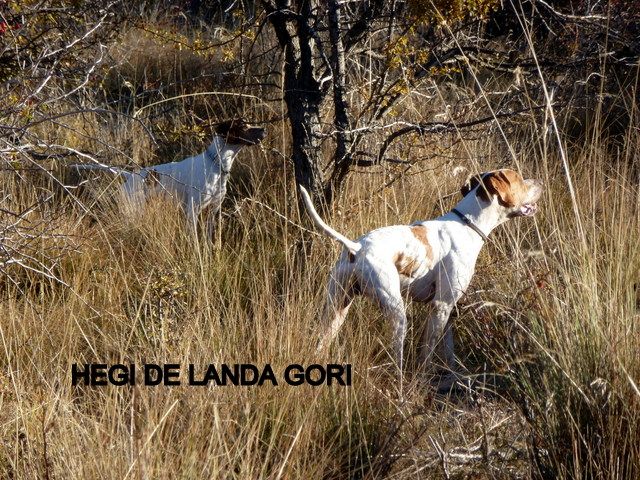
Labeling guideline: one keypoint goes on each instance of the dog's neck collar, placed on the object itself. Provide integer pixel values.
(467, 221)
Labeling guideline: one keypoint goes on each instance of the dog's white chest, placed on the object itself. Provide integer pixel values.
(214, 190)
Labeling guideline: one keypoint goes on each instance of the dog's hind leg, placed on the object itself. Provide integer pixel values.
(393, 306)
(340, 294)
(382, 284)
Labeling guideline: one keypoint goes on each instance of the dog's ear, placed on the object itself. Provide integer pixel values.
(503, 184)
(232, 130)
(489, 184)
(239, 132)
(223, 128)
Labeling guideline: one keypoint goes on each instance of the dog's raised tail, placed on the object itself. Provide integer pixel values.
(350, 245)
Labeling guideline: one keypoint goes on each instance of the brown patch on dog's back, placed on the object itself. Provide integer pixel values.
(405, 264)
(420, 232)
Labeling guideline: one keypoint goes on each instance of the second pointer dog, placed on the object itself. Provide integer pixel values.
(196, 182)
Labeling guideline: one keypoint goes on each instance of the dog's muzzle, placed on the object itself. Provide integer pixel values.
(530, 207)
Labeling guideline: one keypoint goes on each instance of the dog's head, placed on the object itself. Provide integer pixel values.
(239, 132)
(517, 195)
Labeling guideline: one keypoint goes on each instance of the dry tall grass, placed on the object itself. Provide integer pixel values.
(550, 321)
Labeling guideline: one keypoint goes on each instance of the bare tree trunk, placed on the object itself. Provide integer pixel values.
(299, 30)
(342, 155)
(302, 92)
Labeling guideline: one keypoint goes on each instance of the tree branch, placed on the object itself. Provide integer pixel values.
(442, 127)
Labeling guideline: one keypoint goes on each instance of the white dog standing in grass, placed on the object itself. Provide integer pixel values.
(197, 182)
(428, 261)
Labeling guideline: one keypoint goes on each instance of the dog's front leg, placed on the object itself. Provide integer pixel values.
(192, 215)
(450, 285)
(436, 330)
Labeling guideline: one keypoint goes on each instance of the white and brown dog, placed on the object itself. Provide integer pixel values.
(429, 261)
(196, 182)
